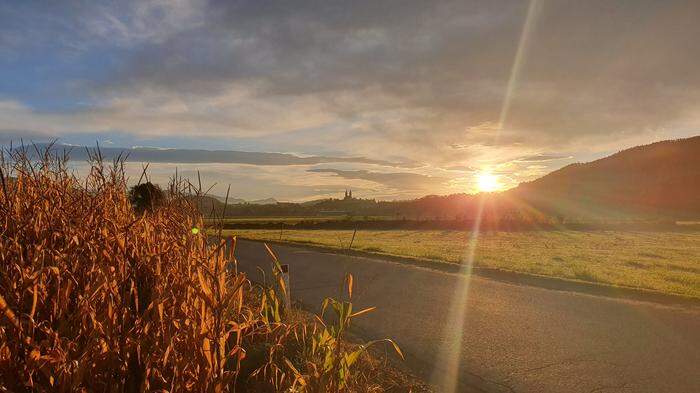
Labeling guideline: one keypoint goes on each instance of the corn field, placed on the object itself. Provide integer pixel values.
(97, 297)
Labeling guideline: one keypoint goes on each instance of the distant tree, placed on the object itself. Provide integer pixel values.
(146, 196)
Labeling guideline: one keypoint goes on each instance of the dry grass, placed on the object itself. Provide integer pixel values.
(94, 297)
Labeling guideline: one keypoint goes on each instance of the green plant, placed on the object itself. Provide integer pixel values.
(337, 359)
(273, 296)
(323, 360)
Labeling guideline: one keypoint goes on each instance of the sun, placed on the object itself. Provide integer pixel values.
(487, 182)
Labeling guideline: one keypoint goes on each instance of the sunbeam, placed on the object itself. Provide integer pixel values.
(446, 377)
(532, 12)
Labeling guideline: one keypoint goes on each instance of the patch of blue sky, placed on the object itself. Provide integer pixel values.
(46, 79)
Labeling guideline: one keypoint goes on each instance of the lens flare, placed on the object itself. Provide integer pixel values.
(532, 11)
(487, 182)
(446, 373)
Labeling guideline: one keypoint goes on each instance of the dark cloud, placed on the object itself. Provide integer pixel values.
(591, 68)
(26, 136)
(189, 156)
(398, 180)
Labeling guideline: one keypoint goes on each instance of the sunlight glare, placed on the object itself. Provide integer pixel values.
(487, 182)
(446, 373)
(446, 376)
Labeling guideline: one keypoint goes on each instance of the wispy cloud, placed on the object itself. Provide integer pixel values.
(542, 157)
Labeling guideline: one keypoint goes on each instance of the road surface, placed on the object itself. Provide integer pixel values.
(515, 338)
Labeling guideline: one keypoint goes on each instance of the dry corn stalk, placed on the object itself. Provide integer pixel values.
(94, 297)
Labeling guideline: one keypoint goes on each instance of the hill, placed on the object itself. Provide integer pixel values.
(659, 179)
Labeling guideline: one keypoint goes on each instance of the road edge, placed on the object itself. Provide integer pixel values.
(513, 277)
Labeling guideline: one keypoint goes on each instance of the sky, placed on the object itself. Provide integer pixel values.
(394, 99)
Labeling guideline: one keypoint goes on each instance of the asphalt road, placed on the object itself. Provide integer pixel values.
(514, 338)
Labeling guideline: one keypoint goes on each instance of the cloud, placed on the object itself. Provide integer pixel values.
(461, 168)
(396, 180)
(82, 25)
(190, 156)
(425, 78)
(392, 81)
(542, 157)
(16, 136)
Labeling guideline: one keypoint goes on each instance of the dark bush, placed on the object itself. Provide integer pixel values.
(146, 196)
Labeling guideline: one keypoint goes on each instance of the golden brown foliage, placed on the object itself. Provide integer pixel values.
(96, 297)
(101, 299)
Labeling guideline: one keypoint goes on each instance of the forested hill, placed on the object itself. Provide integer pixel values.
(662, 178)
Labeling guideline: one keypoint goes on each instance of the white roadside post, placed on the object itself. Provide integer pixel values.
(287, 293)
(230, 249)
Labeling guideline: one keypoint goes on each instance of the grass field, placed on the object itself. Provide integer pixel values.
(662, 261)
(294, 220)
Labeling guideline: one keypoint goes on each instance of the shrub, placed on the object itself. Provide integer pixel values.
(146, 196)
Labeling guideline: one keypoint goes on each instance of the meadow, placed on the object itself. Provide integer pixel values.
(663, 261)
(291, 220)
